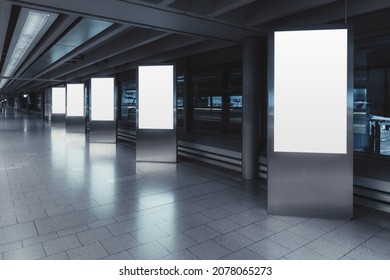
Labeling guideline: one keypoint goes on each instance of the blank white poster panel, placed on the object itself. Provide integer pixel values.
(102, 99)
(75, 100)
(155, 97)
(58, 100)
(310, 97)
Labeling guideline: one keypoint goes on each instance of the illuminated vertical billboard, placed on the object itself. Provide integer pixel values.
(102, 99)
(58, 100)
(156, 97)
(156, 114)
(310, 91)
(75, 100)
(310, 121)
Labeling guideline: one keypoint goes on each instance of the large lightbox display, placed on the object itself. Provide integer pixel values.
(156, 114)
(75, 108)
(75, 100)
(102, 110)
(58, 100)
(310, 100)
(310, 122)
(58, 103)
(102, 99)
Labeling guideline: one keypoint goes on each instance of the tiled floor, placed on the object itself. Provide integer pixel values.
(63, 198)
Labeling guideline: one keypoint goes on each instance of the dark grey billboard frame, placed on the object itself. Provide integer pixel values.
(157, 145)
(310, 184)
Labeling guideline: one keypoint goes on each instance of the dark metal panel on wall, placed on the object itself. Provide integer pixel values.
(310, 183)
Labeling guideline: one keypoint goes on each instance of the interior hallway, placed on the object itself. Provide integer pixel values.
(64, 198)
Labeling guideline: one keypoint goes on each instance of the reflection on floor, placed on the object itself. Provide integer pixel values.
(63, 198)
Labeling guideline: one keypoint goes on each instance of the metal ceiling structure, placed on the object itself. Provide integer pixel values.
(97, 38)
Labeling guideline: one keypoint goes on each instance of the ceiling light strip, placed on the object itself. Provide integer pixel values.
(33, 25)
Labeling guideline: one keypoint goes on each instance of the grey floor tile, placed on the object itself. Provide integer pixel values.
(42, 205)
(378, 245)
(364, 253)
(148, 234)
(216, 213)
(94, 235)
(124, 255)
(209, 250)
(384, 234)
(190, 208)
(344, 238)
(10, 246)
(122, 227)
(181, 255)
(202, 233)
(93, 251)
(327, 248)
(243, 254)
(234, 207)
(306, 231)
(233, 241)
(269, 249)
(173, 226)
(17, 232)
(326, 225)
(289, 240)
(255, 232)
(305, 254)
(290, 219)
(224, 225)
(72, 230)
(84, 205)
(61, 222)
(8, 221)
(244, 218)
(31, 216)
(196, 219)
(39, 239)
(59, 210)
(273, 224)
(59, 256)
(61, 244)
(101, 223)
(177, 242)
(362, 230)
(149, 251)
(26, 253)
(120, 243)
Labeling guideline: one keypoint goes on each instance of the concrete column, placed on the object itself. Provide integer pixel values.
(253, 77)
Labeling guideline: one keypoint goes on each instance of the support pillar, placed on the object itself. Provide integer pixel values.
(253, 76)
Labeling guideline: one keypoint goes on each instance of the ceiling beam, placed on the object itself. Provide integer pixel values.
(5, 13)
(146, 16)
(269, 10)
(169, 43)
(333, 12)
(130, 40)
(221, 7)
(166, 2)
